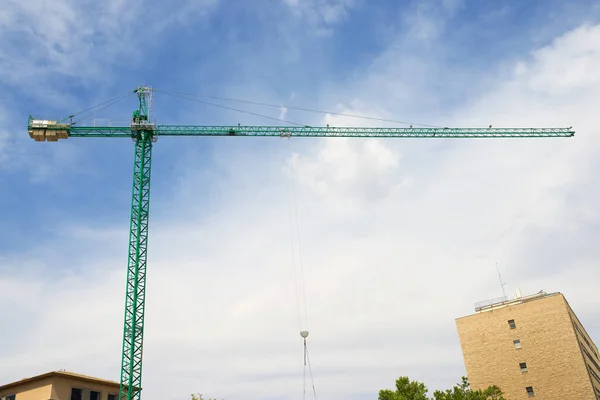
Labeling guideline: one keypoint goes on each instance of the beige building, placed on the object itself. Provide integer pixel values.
(533, 346)
(60, 385)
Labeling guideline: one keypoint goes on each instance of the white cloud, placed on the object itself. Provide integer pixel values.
(453, 5)
(339, 167)
(45, 43)
(399, 238)
(282, 112)
(4, 139)
(570, 59)
(72, 39)
(321, 14)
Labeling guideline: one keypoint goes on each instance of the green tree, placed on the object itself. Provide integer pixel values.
(405, 390)
(198, 396)
(414, 390)
(463, 391)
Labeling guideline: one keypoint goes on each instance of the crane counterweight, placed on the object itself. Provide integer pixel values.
(41, 130)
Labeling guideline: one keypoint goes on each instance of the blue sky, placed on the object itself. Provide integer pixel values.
(231, 49)
(369, 210)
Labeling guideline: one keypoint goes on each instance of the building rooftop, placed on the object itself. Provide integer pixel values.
(61, 374)
(500, 302)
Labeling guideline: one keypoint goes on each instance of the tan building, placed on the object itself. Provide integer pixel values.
(533, 346)
(60, 385)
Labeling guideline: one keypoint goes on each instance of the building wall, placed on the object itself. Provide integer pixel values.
(549, 346)
(39, 390)
(589, 352)
(61, 389)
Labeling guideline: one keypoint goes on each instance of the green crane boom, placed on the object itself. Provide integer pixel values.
(57, 131)
(144, 132)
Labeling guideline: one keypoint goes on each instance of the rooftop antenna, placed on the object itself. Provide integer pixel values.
(501, 283)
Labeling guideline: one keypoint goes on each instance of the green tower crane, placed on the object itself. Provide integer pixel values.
(143, 130)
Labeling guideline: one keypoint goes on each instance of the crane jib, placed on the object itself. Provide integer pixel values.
(45, 130)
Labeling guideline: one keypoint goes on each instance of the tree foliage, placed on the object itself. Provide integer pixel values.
(463, 391)
(198, 396)
(414, 390)
(405, 390)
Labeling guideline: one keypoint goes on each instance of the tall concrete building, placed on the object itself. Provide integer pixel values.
(532, 346)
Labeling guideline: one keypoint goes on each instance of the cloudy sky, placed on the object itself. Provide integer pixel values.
(398, 237)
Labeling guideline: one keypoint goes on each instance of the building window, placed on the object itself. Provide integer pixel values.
(112, 397)
(76, 394)
(523, 367)
(94, 395)
(517, 343)
(530, 391)
(511, 323)
(10, 397)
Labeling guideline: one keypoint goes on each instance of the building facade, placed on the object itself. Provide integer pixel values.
(532, 346)
(60, 385)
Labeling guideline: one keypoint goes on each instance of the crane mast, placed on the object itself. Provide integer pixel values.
(135, 298)
(144, 132)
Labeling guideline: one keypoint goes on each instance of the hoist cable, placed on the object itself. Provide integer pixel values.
(303, 286)
(312, 381)
(304, 376)
(287, 187)
(298, 276)
(292, 198)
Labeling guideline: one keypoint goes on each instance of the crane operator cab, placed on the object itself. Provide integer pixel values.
(137, 117)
